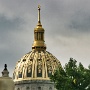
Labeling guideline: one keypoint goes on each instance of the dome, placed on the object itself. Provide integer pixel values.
(35, 65)
(6, 82)
(33, 70)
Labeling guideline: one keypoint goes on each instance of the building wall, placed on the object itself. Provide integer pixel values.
(34, 85)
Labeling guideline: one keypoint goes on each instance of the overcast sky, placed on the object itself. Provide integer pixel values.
(66, 24)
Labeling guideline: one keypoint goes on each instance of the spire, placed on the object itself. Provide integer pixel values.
(39, 22)
(39, 35)
(5, 72)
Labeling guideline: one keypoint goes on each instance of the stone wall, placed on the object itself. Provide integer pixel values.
(34, 85)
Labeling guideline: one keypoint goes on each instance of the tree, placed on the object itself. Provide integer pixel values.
(72, 77)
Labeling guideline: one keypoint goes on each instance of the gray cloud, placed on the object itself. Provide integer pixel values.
(80, 23)
(7, 28)
(71, 16)
(66, 24)
(9, 24)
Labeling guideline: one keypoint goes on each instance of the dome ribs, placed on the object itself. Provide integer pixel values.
(36, 65)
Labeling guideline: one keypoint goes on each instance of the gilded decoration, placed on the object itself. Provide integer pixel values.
(36, 62)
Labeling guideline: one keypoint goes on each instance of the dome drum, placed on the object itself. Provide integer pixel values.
(34, 85)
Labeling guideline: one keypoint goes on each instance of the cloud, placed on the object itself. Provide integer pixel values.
(80, 23)
(7, 28)
(68, 16)
(66, 24)
(9, 24)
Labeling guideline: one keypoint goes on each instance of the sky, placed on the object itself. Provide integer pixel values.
(66, 24)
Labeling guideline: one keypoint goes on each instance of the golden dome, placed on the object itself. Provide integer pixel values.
(35, 65)
(6, 82)
(38, 64)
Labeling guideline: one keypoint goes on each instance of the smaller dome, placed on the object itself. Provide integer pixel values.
(6, 82)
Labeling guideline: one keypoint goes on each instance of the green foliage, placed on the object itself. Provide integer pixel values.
(72, 77)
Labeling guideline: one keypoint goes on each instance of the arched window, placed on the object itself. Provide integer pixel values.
(20, 75)
(39, 68)
(18, 89)
(39, 88)
(33, 89)
(50, 88)
(49, 73)
(27, 88)
(29, 71)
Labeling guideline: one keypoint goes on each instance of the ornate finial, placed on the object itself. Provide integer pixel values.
(5, 67)
(39, 7)
(5, 72)
(39, 13)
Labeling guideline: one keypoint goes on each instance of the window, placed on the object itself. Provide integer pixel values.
(49, 73)
(20, 75)
(29, 71)
(33, 89)
(27, 88)
(39, 88)
(50, 88)
(18, 89)
(39, 68)
(39, 73)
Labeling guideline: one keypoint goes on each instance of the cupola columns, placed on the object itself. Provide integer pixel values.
(39, 35)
